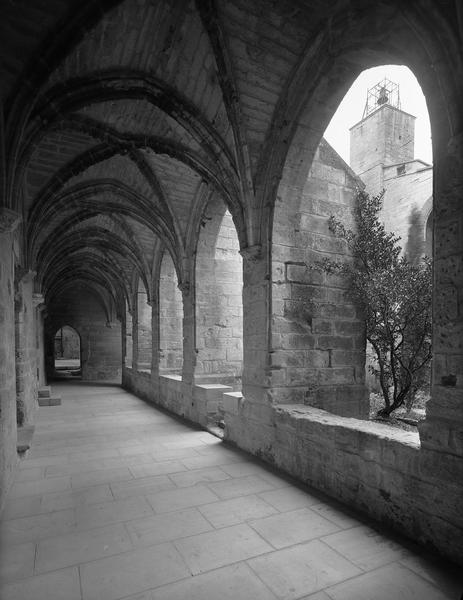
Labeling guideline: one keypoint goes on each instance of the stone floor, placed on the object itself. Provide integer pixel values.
(118, 500)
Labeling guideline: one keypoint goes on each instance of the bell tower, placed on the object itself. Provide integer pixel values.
(385, 136)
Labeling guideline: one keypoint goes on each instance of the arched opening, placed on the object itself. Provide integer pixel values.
(67, 353)
(388, 131)
(170, 319)
(219, 282)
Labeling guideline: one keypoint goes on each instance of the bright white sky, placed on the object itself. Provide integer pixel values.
(350, 110)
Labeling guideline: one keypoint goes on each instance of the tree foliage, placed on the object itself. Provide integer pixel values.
(395, 296)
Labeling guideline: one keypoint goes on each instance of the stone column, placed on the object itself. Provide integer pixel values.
(189, 333)
(9, 220)
(25, 350)
(39, 306)
(442, 432)
(128, 339)
(135, 334)
(155, 350)
(251, 427)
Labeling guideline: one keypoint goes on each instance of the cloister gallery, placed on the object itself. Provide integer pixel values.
(164, 185)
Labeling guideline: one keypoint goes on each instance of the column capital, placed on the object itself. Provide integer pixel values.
(252, 253)
(9, 220)
(38, 301)
(184, 287)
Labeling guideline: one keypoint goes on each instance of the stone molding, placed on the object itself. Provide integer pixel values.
(9, 220)
(24, 275)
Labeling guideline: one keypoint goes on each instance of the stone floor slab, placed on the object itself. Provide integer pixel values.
(208, 475)
(339, 516)
(153, 469)
(43, 486)
(76, 498)
(83, 546)
(387, 583)
(142, 486)
(105, 513)
(365, 547)
(21, 507)
(201, 462)
(236, 510)
(83, 480)
(302, 569)
(235, 582)
(58, 585)
(32, 474)
(171, 500)
(289, 498)
(17, 561)
(209, 551)
(132, 572)
(157, 529)
(293, 527)
(37, 527)
(142, 536)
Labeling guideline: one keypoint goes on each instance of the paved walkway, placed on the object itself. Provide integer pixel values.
(118, 500)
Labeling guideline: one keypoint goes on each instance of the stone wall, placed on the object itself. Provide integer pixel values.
(403, 194)
(318, 352)
(199, 403)
(376, 468)
(8, 435)
(25, 351)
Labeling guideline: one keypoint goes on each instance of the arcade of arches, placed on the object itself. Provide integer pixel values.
(164, 183)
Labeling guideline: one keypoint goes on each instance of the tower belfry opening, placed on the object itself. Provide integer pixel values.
(384, 92)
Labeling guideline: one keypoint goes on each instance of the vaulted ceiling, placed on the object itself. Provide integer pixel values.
(122, 117)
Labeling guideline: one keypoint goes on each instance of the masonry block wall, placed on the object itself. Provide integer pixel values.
(8, 431)
(25, 351)
(318, 353)
(404, 193)
(100, 341)
(170, 319)
(219, 321)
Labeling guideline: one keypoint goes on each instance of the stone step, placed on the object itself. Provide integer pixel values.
(51, 401)
(45, 392)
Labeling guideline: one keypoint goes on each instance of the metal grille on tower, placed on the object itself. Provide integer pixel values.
(384, 92)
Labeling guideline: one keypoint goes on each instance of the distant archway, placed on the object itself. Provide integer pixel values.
(67, 352)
